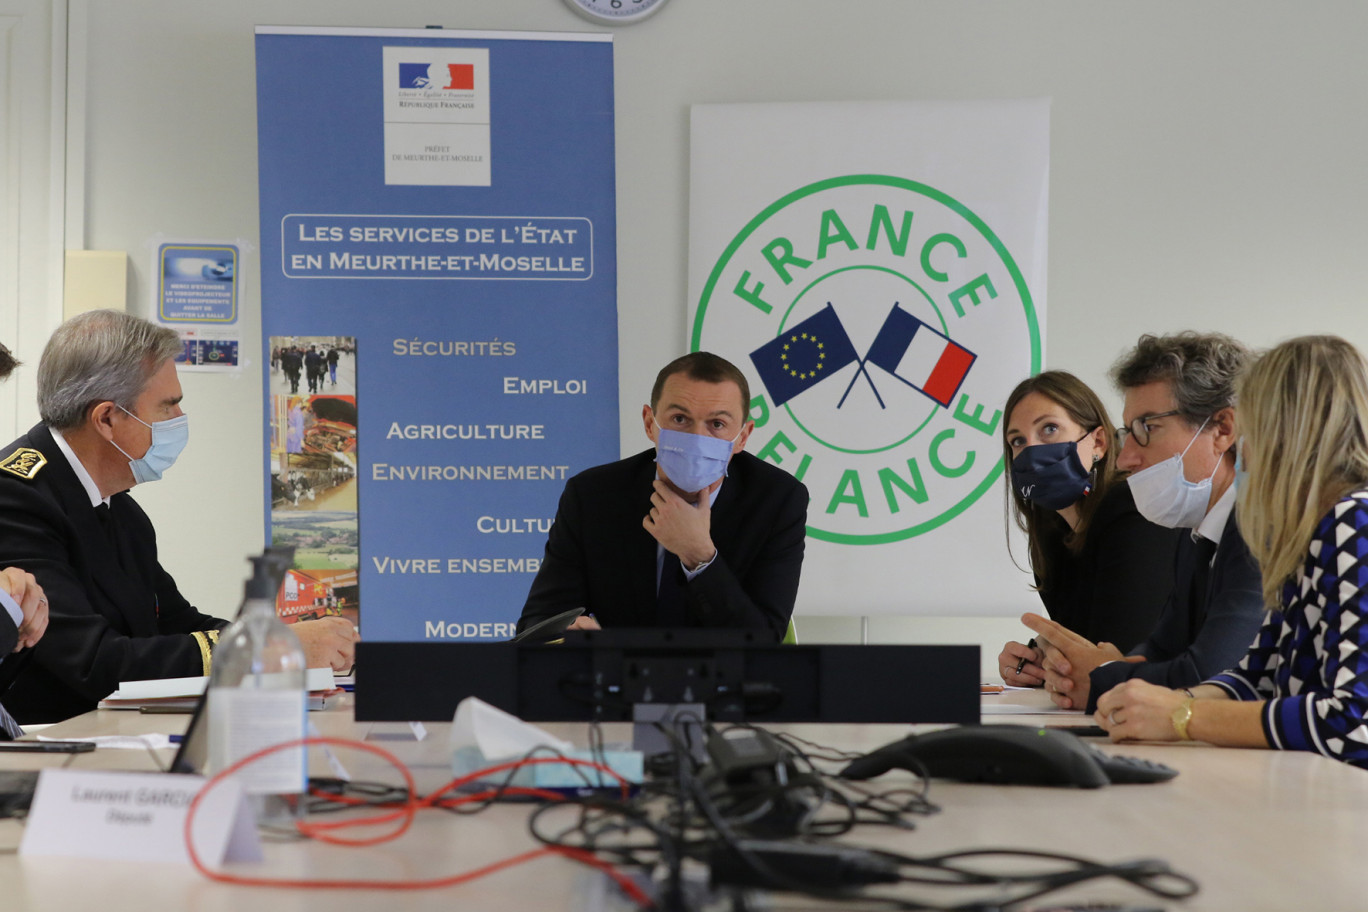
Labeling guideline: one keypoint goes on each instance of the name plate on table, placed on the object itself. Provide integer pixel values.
(137, 817)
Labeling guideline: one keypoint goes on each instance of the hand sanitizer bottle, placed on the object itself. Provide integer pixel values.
(257, 698)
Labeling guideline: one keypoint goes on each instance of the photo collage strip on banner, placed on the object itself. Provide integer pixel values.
(312, 395)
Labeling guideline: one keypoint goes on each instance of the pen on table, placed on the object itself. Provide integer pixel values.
(176, 739)
(1021, 663)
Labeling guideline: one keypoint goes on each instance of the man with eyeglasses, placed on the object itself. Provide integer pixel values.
(692, 533)
(1178, 444)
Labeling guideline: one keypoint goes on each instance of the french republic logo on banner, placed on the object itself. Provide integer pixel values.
(882, 285)
(437, 116)
(458, 76)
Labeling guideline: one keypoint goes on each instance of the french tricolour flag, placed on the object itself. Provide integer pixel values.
(919, 356)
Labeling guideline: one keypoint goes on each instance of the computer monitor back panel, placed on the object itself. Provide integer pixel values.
(601, 678)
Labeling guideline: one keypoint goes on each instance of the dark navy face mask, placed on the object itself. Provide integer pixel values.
(1051, 475)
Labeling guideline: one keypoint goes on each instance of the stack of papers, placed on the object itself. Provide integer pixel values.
(171, 694)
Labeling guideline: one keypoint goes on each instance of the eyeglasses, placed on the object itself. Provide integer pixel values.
(1139, 428)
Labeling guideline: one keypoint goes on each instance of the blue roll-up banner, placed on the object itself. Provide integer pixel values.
(438, 289)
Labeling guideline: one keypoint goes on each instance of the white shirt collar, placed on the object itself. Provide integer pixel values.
(1213, 524)
(91, 489)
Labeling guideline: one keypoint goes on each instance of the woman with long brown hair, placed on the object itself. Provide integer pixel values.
(1101, 569)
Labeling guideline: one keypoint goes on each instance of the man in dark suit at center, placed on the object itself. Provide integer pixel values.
(695, 532)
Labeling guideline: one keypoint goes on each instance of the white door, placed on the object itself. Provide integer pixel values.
(32, 131)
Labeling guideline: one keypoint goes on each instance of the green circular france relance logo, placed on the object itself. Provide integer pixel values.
(881, 324)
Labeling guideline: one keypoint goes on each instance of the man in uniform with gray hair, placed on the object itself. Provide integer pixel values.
(110, 403)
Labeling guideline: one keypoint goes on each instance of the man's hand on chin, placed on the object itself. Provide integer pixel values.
(685, 529)
(328, 642)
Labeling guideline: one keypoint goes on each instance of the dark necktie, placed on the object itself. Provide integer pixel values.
(107, 523)
(670, 604)
(1205, 550)
(8, 726)
(136, 583)
(111, 530)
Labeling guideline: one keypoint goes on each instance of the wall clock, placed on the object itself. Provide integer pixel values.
(615, 12)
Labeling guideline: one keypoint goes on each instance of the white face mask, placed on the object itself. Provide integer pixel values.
(1165, 497)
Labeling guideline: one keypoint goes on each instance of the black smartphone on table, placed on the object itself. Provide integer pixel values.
(48, 747)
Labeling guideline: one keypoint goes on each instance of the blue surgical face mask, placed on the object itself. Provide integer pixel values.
(1241, 473)
(169, 437)
(692, 461)
(1051, 474)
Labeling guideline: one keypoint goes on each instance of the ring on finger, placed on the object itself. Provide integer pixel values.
(1111, 717)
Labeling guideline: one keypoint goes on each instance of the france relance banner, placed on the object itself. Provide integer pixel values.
(439, 313)
(878, 270)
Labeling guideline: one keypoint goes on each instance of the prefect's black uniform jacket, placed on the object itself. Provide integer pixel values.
(114, 613)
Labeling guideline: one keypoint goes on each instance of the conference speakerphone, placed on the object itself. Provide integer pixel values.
(602, 674)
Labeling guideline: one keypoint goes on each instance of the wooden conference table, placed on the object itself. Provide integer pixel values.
(1259, 830)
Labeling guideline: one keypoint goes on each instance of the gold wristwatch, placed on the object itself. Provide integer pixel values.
(1180, 718)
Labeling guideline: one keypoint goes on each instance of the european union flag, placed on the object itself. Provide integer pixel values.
(804, 355)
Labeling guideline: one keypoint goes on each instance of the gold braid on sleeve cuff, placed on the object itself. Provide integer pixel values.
(206, 640)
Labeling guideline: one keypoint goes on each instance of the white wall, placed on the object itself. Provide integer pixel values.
(1206, 173)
